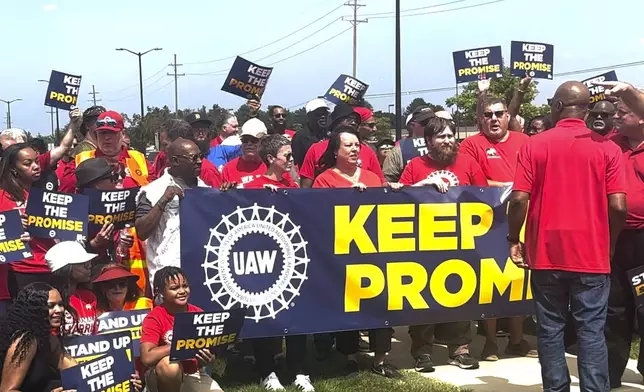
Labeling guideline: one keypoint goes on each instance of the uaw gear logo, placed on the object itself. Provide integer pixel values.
(256, 258)
(447, 176)
(491, 153)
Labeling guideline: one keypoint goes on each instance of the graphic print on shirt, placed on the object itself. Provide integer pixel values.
(84, 326)
(167, 337)
(447, 176)
(491, 153)
(256, 257)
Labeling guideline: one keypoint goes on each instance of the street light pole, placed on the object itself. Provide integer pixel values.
(9, 109)
(57, 134)
(139, 55)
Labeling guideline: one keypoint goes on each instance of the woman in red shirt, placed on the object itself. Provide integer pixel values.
(20, 167)
(171, 284)
(340, 165)
(70, 264)
(275, 152)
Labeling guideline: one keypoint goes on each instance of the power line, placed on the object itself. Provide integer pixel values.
(135, 85)
(440, 11)
(414, 9)
(354, 22)
(271, 43)
(94, 93)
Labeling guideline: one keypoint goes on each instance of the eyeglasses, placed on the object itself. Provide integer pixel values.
(371, 125)
(280, 115)
(110, 122)
(498, 114)
(288, 156)
(249, 139)
(116, 284)
(193, 158)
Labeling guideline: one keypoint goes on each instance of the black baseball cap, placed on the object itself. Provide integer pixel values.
(91, 170)
(420, 115)
(198, 119)
(385, 142)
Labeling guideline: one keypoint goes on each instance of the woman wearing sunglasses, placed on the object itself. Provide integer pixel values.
(116, 290)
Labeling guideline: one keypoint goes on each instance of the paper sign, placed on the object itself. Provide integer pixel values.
(247, 80)
(346, 89)
(636, 277)
(109, 373)
(62, 92)
(195, 331)
(11, 248)
(116, 207)
(532, 58)
(57, 215)
(597, 92)
(480, 63)
(87, 348)
(129, 320)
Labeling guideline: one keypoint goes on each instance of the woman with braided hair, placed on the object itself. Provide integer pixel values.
(31, 357)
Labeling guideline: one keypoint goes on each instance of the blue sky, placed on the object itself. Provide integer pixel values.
(79, 37)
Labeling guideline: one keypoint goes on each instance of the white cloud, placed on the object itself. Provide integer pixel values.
(49, 7)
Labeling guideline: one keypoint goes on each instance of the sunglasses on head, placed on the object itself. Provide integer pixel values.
(498, 114)
(106, 122)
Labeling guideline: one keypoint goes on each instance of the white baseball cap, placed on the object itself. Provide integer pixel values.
(255, 128)
(316, 104)
(66, 253)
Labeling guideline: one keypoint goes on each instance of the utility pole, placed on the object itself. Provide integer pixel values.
(93, 94)
(9, 109)
(176, 88)
(139, 55)
(51, 113)
(354, 4)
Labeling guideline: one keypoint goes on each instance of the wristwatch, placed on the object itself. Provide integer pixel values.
(512, 240)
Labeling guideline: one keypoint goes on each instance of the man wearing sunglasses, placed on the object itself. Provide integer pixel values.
(132, 166)
(277, 115)
(157, 206)
(496, 149)
(600, 118)
(249, 165)
(367, 127)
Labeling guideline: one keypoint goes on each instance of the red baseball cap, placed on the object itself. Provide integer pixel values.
(109, 121)
(364, 113)
(114, 272)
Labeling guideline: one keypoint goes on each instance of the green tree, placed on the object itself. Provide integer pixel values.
(418, 102)
(502, 87)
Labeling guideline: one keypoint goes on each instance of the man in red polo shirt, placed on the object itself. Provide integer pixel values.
(629, 251)
(496, 149)
(442, 167)
(570, 184)
(249, 165)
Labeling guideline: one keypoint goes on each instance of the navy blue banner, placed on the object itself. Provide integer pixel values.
(57, 215)
(247, 80)
(111, 372)
(11, 247)
(117, 207)
(127, 320)
(346, 89)
(481, 63)
(88, 348)
(597, 92)
(62, 92)
(195, 331)
(317, 260)
(532, 58)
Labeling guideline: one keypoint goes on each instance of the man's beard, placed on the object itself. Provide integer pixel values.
(445, 155)
(204, 145)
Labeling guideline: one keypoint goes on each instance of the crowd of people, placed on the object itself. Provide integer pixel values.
(570, 172)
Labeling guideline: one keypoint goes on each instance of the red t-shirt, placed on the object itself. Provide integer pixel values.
(498, 160)
(157, 329)
(367, 158)
(332, 179)
(569, 172)
(210, 175)
(159, 164)
(84, 303)
(464, 171)
(634, 169)
(242, 171)
(216, 141)
(259, 182)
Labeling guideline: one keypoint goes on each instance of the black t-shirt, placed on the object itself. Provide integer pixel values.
(302, 141)
(48, 181)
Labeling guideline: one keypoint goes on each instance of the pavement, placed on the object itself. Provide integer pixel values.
(508, 374)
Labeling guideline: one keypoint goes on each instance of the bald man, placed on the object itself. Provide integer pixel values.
(157, 205)
(600, 118)
(573, 181)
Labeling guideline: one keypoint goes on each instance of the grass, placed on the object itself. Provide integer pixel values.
(238, 375)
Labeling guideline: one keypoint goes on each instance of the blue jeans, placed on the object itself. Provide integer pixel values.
(587, 296)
